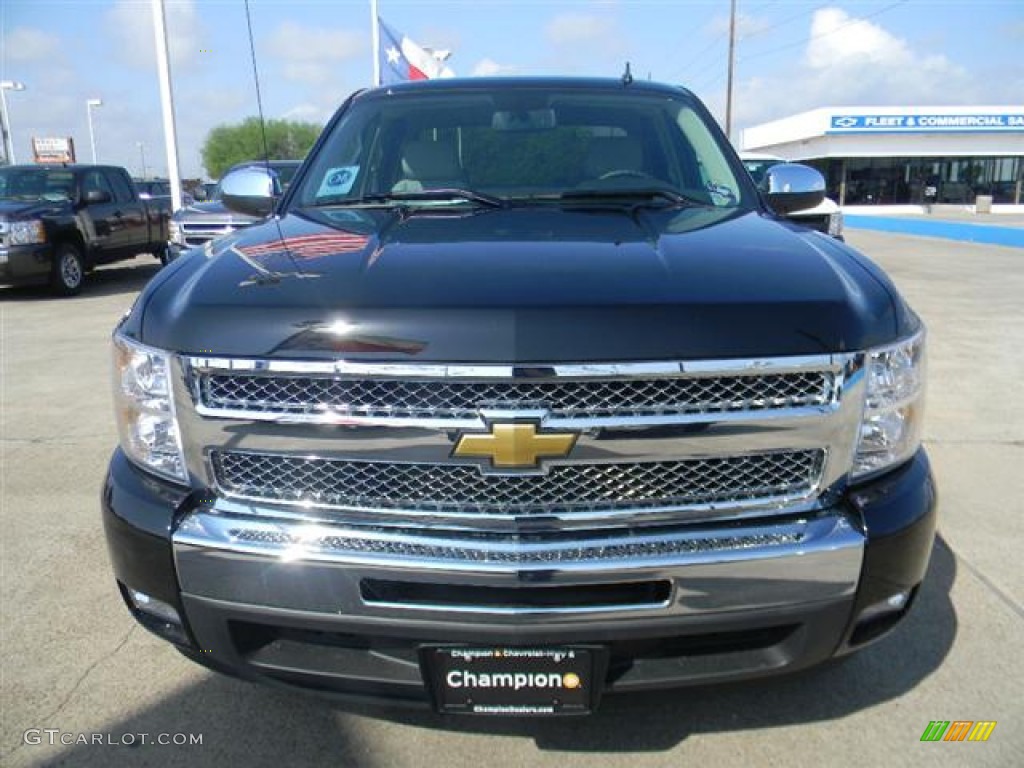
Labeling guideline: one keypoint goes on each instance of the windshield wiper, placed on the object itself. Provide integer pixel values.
(444, 194)
(633, 196)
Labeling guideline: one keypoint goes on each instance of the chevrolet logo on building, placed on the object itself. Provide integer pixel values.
(514, 446)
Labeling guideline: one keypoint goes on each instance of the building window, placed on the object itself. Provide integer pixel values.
(920, 180)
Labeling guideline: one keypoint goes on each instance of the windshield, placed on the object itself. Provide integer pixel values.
(520, 144)
(52, 185)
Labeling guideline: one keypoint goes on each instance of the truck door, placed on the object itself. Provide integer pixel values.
(101, 220)
(134, 233)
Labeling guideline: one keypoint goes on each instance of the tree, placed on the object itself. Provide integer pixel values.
(226, 145)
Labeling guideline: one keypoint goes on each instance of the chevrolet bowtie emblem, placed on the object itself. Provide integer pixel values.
(515, 446)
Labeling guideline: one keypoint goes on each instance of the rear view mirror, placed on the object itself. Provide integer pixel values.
(97, 196)
(524, 120)
(793, 187)
(250, 191)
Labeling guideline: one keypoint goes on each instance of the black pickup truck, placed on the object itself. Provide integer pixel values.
(59, 222)
(525, 395)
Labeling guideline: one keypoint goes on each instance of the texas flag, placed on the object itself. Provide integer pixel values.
(401, 59)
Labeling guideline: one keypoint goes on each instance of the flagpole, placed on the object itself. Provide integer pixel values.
(375, 27)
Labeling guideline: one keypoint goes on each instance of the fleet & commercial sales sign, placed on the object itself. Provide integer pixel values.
(925, 123)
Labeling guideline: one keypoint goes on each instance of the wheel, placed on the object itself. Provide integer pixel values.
(164, 255)
(68, 270)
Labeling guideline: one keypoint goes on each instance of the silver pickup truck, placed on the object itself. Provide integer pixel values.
(197, 224)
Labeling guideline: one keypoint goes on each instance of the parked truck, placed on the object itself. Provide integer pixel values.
(57, 223)
(524, 395)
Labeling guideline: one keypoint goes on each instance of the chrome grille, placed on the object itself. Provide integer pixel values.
(201, 232)
(260, 393)
(462, 490)
(414, 546)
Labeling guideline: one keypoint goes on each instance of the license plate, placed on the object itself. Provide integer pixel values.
(511, 681)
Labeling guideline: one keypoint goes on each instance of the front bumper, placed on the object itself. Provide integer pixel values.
(25, 263)
(714, 604)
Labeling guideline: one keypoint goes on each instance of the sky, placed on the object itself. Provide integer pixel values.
(791, 55)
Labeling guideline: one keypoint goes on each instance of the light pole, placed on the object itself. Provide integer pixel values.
(8, 85)
(89, 104)
(142, 156)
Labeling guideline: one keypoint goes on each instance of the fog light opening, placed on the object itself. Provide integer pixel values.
(147, 604)
(160, 618)
(878, 618)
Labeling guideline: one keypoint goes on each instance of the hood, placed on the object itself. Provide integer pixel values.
(520, 284)
(20, 210)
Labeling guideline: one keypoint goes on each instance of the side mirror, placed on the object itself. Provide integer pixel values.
(250, 191)
(793, 187)
(97, 196)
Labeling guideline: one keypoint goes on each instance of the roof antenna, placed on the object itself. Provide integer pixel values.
(263, 133)
(627, 76)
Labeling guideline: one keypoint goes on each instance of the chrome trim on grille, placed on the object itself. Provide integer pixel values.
(615, 493)
(291, 541)
(347, 392)
(201, 232)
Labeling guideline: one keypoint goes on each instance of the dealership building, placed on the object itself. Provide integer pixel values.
(905, 155)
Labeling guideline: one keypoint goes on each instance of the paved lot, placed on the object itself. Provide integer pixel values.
(73, 660)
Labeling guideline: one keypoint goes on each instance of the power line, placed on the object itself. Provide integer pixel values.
(723, 35)
(717, 78)
(696, 57)
(788, 20)
(798, 43)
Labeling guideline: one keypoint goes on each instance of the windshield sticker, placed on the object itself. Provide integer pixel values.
(338, 181)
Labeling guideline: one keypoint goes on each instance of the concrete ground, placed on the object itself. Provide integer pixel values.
(75, 663)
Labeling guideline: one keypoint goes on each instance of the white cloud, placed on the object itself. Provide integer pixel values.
(851, 61)
(490, 68)
(25, 44)
(130, 23)
(310, 55)
(584, 44)
(838, 39)
(577, 28)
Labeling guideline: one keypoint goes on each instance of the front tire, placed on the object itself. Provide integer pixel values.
(68, 270)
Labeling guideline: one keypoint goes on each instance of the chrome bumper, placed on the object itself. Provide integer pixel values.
(322, 570)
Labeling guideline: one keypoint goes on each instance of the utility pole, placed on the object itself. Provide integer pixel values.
(732, 59)
(163, 65)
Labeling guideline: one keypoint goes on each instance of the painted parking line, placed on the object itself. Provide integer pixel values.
(948, 230)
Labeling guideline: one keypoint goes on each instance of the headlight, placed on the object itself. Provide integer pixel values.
(145, 408)
(26, 232)
(890, 431)
(174, 233)
(835, 223)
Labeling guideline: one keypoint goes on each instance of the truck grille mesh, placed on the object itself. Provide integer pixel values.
(463, 490)
(462, 399)
(580, 551)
